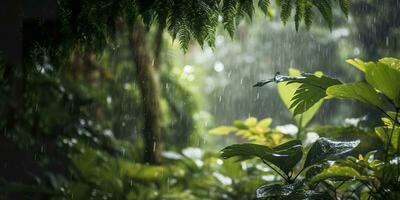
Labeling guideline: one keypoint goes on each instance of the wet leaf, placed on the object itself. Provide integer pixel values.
(294, 191)
(284, 156)
(324, 149)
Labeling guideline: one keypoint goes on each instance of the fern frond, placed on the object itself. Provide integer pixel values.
(308, 14)
(344, 6)
(264, 5)
(246, 7)
(300, 10)
(286, 10)
(324, 7)
(229, 16)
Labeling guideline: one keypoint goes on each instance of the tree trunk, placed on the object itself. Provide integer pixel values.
(150, 93)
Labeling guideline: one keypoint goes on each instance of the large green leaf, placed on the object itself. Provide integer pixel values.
(294, 191)
(385, 77)
(324, 149)
(310, 92)
(358, 91)
(337, 173)
(287, 91)
(284, 156)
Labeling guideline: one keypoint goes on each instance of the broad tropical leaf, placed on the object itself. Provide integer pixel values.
(324, 149)
(358, 91)
(284, 156)
(385, 78)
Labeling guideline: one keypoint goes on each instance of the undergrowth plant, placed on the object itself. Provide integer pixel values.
(324, 172)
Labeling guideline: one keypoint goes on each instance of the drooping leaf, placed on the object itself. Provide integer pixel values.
(300, 10)
(311, 91)
(337, 173)
(358, 91)
(286, 10)
(264, 5)
(324, 7)
(284, 156)
(324, 149)
(287, 91)
(345, 6)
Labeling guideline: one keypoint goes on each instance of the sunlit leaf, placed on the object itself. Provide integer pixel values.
(251, 121)
(358, 91)
(265, 123)
(324, 149)
(223, 130)
(384, 78)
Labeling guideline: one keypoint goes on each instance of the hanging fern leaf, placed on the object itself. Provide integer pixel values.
(325, 9)
(246, 7)
(92, 24)
(286, 10)
(300, 10)
(264, 5)
(229, 14)
(345, 6)
(308, 14)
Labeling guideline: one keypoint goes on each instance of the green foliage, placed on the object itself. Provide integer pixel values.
(382, 75)
(359, 91)
(336, 173)
(366, 177)
(325, 149)
(288, 91)
(255, 131)
(92, 24)
(311, 90)
(291, 191)
(284, 156)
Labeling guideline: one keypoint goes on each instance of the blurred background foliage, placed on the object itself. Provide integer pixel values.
(81, 136)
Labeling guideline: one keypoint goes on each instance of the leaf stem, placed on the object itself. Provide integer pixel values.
(275, 170)
(298, 173)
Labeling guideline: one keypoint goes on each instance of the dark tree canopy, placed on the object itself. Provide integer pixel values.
(92, 23)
